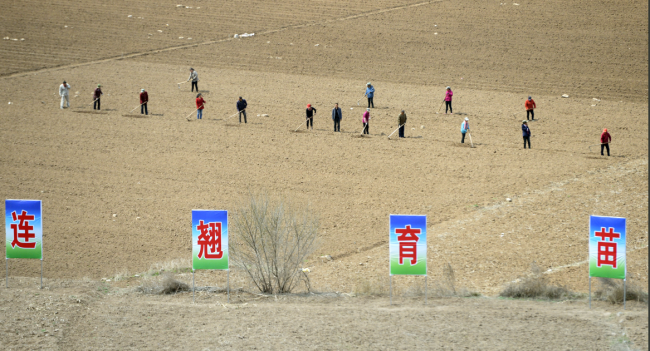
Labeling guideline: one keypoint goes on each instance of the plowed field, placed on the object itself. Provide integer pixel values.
(117, 190)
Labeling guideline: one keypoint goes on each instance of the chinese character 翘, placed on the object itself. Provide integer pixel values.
(210, 240)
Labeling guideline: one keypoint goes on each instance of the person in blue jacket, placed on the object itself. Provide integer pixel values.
(337, 116)
(370, 93)
(241, 107)
(526, 133)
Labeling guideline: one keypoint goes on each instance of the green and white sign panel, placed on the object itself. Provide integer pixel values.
(209, 239)
(24, 229)
(407, 242)
(607, 247)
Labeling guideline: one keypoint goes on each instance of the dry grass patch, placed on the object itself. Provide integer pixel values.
(612, 290)
(535, 285)
(414, 286)
(446, 287)
(180, 265)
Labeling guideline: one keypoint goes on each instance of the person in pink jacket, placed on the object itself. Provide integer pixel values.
(365, 120)
(448, 96)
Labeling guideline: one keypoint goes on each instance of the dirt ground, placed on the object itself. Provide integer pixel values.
(118, 188)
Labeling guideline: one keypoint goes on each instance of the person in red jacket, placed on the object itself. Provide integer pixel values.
(530, 105)
(199, 106)
(605, 138)
(144, 98)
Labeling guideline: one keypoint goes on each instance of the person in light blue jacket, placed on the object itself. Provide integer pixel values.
(464, 128)
(370, 93)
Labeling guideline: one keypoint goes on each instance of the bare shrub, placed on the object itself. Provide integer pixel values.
(165, 285)
(535, 285)
(172, 286)
(271, 239)
(611, 290)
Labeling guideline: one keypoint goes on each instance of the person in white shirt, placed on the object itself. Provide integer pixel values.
(63, 92)
(195, 79)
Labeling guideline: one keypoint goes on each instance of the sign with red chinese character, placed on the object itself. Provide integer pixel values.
(407, 243)
(607, 247)
(209, 239)
(24, 229)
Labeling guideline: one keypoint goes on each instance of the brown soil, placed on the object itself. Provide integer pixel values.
(150, 172)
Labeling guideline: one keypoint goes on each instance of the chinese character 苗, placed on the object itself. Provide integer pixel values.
(25, 230)
(607, 249)
(210, 240)
(408, 239)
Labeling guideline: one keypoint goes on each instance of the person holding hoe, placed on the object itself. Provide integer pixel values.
(530, 106)
(241, 107)
(97, 94)
(310, 116)
(370, 94)
(464, 128)
(144, 98)
(195, 79)
(337, 116)
(365, 120)
(401, 122)
(200, 104)
(526, 133)
(448, 96)
(605, 138)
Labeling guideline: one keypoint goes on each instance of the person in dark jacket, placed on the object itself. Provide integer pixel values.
(310, 116)
(401, 120)
(96, 96)
(605, 138)
(144, 98)
(337, 116)
(526, 133)
(241, 107)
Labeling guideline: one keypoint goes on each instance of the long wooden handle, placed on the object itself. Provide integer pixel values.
(138, 106)
(188, 116)
(236, 113)
(364, 127)
(300, 125)
(391, 134)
